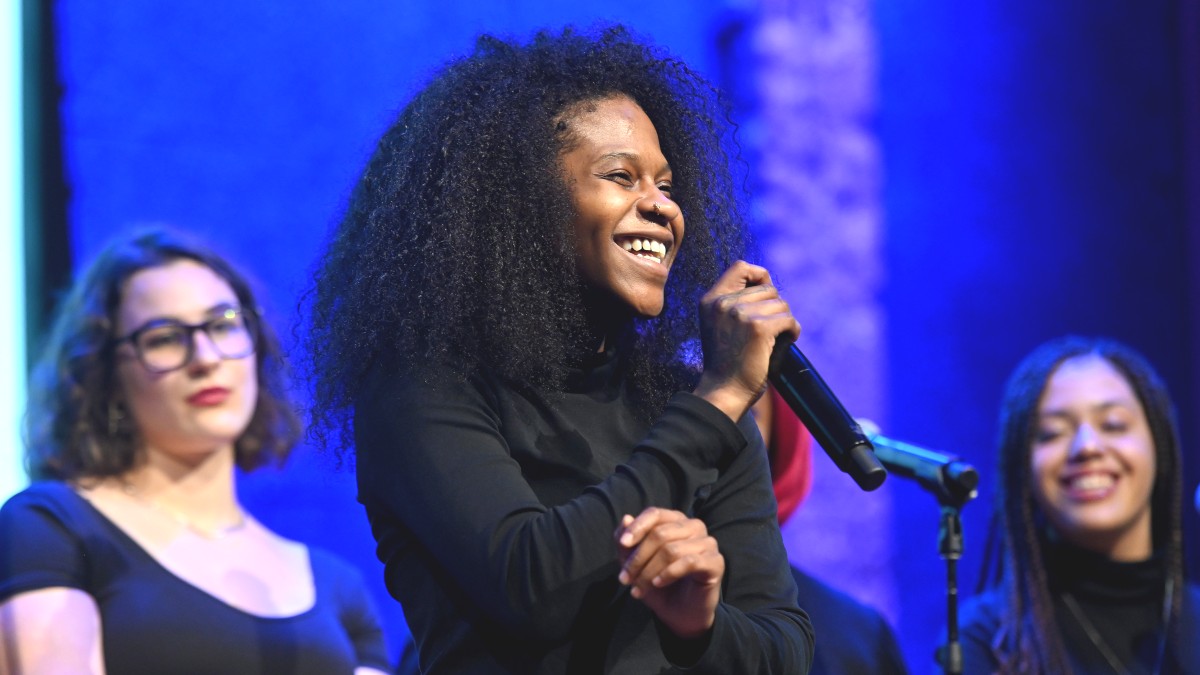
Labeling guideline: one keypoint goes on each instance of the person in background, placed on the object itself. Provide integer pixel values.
(851, 638)
(130, 552)
(1090, 577)
(510, 318)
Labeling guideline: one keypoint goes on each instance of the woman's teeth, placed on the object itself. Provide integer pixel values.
(1092, 482)
(645, 248)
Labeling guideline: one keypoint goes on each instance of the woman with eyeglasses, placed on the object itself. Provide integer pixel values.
(130, 552)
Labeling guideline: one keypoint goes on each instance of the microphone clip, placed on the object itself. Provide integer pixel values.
(948, 478)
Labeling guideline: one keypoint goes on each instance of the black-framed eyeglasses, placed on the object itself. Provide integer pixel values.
(164, 345)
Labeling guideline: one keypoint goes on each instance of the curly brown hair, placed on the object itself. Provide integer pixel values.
(69, 426)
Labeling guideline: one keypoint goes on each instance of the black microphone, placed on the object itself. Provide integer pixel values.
(798, 383)
(948, 478)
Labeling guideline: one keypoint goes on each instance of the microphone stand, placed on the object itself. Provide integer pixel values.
(950, 548)
(953, 483)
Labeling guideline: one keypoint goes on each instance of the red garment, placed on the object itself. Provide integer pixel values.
(790, 449)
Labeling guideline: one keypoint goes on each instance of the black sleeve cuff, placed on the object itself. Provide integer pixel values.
(693, 427)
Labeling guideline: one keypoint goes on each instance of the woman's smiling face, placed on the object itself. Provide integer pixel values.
(627, 228)
(1093, 459)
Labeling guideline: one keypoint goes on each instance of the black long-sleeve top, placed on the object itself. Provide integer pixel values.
(851, 637)
(494, 508)
(1121, 604)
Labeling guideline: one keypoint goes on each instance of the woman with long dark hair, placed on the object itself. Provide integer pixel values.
(1090, 578)
(510, 320)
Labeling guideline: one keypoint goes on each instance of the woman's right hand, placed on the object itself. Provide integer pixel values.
(741, 317)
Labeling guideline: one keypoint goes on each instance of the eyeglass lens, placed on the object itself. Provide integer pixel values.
(171, 345)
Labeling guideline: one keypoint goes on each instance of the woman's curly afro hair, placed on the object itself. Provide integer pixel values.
(456, 250)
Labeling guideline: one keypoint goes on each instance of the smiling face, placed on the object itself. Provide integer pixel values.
(627, 229)
(203, 407)
(1093, 459)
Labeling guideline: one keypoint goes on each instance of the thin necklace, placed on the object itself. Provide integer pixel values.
(186, 522)
(1102, 646)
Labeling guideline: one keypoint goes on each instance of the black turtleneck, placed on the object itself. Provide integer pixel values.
(494, 507)
(1121, 601)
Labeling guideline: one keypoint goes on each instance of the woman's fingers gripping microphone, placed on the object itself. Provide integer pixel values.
(742, 317)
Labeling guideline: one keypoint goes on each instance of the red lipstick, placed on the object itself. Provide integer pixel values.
(211, 396)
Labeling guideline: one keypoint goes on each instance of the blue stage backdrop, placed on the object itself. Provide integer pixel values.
(940, 185)
(1034, 187)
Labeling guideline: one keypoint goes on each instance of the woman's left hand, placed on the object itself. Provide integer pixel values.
(674, 567)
